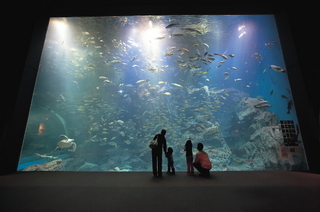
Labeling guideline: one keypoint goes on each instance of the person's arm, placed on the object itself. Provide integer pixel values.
(164, 144)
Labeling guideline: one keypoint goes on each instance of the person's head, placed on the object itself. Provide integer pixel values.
(200, 146)
(188, 142)
(170, 150)
(163, 132)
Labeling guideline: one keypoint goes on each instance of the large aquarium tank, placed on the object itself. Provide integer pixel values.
(106, 85)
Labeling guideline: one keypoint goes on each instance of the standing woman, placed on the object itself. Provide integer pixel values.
(157, 153)
(189, 157)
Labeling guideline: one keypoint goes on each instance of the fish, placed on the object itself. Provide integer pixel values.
(167, 93)
(289, 106)
(161, 82)
(227, 77)
(160, 38)
(132, 59)
(140, 81)
(231, 55)
(168, 53)
(171, 25)
(176, 35)
(152, 69)
(226, 73)
(234, 68)
(283, 96)
(205, 45)
(238, 79)
(177, 85)
(103, 77)
(185, 49)
(192, 30)
(277, 68)
(62, 97)
(224, 56)
(271, 92)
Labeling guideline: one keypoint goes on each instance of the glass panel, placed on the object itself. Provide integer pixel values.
(107, 85)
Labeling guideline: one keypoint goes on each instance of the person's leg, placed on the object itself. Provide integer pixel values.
(203, 172)
(173, 169)
(190, 169)
(154, 165)
(159, 165)
(197, 166)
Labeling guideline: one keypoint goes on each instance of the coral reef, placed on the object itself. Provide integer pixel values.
(55, 165)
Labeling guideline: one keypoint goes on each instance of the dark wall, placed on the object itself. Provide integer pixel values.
(18, 28)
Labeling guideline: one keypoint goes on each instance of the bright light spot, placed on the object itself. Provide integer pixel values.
(61, 28)
(150, 23)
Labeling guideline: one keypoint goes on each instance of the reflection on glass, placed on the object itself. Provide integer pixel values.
(107, 85)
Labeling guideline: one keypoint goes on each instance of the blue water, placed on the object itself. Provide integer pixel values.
(115, 82)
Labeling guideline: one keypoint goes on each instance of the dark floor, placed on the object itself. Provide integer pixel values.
(138, 191)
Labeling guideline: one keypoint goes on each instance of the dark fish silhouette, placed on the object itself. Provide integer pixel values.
(271, 92)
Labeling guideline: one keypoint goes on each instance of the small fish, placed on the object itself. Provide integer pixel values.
(234, 68)
(103, 77)
(284, 97)
(224, 56)
(160, 38)
(226, 73)
(168, 53)
(238, 79)
(176, 35)
(140, 81)
(177, 85)
(205, 45)
(167, 93)
(271, 92)
(277, 68)
(185, 49)
(227, 77)
(132, 59)
(171, 25)
(62, 97)
(231, 55)
(192, 30)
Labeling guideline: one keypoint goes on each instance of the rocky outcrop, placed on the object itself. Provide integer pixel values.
(55, 165)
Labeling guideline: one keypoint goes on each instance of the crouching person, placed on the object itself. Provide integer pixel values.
(202, 162)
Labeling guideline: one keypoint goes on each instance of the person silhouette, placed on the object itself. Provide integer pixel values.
(202, 162)
(157, 153)
(171, 169)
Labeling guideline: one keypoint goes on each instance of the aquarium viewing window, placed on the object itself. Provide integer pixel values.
(106, 85)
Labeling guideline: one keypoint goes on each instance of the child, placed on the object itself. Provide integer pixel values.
(170, 162)
(189, 157)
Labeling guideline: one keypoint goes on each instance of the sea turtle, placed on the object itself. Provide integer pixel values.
(66, 143)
